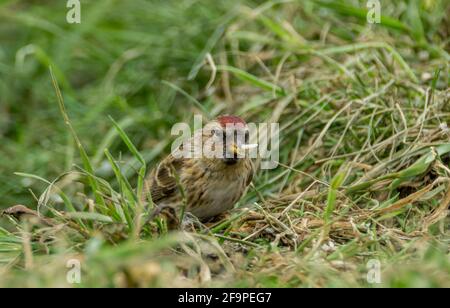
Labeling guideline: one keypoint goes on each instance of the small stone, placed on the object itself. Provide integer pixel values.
(424, 55)
(426, 76)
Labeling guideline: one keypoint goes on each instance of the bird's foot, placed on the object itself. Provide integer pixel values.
(190, 223)
(167, 213)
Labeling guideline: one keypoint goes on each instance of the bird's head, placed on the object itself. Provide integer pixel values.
(227, 136)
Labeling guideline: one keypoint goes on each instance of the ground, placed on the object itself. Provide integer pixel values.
(361, 193)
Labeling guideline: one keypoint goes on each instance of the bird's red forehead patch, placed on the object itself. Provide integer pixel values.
(229, 119)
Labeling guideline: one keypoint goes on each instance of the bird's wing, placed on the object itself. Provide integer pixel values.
(162, 182)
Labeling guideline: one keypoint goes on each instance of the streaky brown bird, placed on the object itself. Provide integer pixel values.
(208, 184)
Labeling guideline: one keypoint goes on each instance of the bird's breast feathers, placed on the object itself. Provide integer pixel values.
(218, 197)
(207, 192)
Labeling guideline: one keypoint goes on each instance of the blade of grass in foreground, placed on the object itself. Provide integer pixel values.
(139, 209)
(90, 216)
(332, 194)
(135, 153)
(86, 162)
(128, 201)
(63, 196)
(68, 203)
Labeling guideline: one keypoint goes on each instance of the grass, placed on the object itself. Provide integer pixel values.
(364, 154)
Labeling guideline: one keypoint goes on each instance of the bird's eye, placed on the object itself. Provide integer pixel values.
(216, 132)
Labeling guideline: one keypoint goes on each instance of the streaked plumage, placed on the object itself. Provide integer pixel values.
(210, 186)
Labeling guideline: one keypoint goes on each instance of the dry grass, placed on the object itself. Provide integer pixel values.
(363, 173)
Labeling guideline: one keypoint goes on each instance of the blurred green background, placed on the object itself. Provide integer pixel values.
(110, 64)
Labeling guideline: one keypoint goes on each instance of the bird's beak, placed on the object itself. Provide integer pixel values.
(249, 146)
(240, 150)
(234, 149)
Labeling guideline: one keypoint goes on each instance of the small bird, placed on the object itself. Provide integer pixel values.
(204, 185)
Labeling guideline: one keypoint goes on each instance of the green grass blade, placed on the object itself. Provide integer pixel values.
(253, 80)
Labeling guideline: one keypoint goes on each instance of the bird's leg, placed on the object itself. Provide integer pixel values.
(217, 219)
(168, 213)
(155, 213)
(190, 222)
